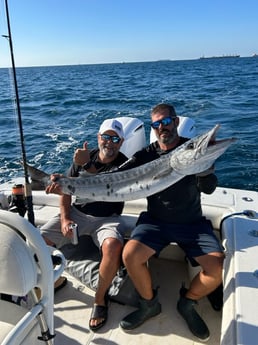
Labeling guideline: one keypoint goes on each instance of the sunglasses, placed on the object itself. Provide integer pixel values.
(114, 138)
(165, 122)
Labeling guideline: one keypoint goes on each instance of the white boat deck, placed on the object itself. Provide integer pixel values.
(74, 302)
(237, 325)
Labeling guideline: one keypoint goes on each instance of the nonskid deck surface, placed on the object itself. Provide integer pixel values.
(74, 302)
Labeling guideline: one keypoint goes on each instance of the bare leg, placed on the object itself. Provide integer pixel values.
(111, 257)
(135, 257)
(210, 276)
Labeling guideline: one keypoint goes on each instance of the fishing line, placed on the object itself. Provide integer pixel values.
(28, 194)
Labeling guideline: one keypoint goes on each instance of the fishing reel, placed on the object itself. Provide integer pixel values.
(16, 200)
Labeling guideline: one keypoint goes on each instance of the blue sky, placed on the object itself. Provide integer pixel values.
(62, 32)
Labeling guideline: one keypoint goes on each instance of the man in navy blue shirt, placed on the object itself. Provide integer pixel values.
(173, 215)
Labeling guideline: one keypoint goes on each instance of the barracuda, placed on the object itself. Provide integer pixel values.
(193, 157)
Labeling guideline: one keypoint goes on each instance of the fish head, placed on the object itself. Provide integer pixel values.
(199, 154)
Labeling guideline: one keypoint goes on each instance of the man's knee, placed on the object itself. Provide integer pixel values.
(136, 253)
(212, 264)
(111, 246)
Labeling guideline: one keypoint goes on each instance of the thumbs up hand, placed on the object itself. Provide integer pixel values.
(82, 156)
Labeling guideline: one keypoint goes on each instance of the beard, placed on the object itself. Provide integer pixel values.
(107, 152)
(167, 137)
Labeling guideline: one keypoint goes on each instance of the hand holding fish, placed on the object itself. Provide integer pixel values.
(82, 156)
(54, 187)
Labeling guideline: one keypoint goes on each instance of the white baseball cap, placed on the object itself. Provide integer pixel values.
(112, 125)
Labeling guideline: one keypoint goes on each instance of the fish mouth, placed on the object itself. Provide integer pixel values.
(210, 143)
(211, 137)
(207, 140)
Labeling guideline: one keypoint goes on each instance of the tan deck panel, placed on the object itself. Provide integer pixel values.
(73, 307)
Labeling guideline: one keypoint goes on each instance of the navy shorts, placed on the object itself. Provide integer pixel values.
(196, 239)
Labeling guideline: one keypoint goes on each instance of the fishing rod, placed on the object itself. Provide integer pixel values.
(27, 191)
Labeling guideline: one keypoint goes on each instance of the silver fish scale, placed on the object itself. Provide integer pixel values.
(112, 186)
(193, 157)
(160, 165)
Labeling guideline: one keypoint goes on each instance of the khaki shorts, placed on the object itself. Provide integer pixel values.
(99, 228)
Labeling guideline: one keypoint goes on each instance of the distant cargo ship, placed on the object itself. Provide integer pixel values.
(220, 57)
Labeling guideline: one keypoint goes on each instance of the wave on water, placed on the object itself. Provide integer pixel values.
(63, 106)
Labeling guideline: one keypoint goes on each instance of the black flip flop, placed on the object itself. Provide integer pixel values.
(99, 312)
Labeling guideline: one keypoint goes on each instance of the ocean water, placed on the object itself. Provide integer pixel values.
(62, 106)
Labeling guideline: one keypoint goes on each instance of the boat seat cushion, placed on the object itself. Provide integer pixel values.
(17, 265)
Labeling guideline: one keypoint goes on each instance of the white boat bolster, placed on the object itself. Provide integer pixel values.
(240, 239)
(24, 266)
